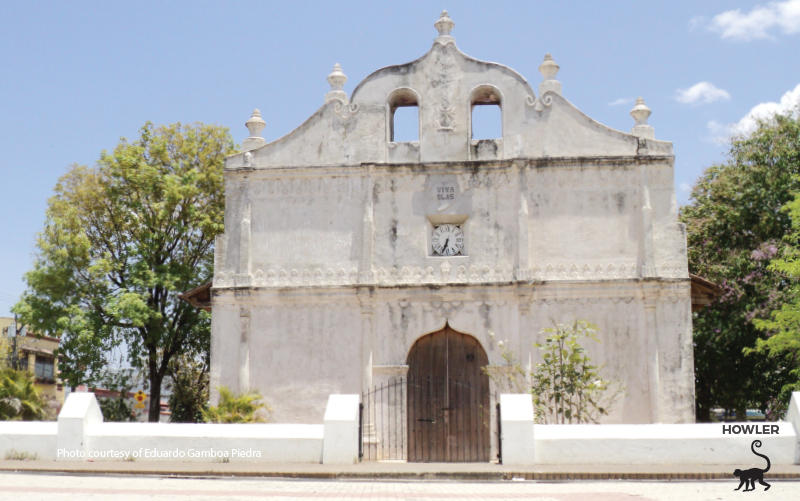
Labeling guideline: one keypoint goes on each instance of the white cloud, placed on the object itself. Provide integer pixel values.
(789, 101)
(716, 127)
(720, 132)
(701, 93)
(696, 21)
(685, 190)
(757, 23)
(622, 100)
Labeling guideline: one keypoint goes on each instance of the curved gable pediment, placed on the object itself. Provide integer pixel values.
(445, 84)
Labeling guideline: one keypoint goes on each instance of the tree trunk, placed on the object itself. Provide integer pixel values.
(703, 413)
(702, 404)
(155, 396)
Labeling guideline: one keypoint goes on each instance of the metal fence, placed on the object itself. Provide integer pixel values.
(429, 420)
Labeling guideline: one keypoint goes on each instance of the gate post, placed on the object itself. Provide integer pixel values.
(517, 430)
(793, 416)
(340, 436)
(80, 411)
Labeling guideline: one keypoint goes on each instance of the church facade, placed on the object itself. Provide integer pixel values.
(346, 253)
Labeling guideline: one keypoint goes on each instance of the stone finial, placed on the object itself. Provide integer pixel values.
(255, 125)
(641, 113)
(337, 79)
(549, 69)
(444, 25)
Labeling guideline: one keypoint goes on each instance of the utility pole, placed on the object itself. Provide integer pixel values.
(14, 347)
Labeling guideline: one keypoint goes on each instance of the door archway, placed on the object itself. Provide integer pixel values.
(449, 413)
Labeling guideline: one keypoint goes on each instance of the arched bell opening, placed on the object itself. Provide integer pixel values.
(486, 113)
(403, 108)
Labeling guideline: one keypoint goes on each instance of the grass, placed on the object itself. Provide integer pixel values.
(14, 455)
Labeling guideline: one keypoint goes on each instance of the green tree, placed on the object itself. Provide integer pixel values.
(783, 325)
(734, 227)
(566, 387)
(121, 240)
(188, 382)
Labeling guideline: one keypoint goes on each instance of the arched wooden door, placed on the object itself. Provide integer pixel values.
(448, 399)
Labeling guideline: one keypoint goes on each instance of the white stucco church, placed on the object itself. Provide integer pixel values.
(349, 258)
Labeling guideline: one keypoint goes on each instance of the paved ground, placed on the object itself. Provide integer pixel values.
(398, 470)
(69, 487)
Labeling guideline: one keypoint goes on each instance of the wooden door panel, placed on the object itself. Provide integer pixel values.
(448, 399)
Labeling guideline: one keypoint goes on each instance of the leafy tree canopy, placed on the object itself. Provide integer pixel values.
(735, 226)
(783, 325)
(121, 240)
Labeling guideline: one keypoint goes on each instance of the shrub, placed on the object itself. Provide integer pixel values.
(566, 387)
(119, 408)
(243, 407)
(189, 386)
(116, 409)
(20, 399)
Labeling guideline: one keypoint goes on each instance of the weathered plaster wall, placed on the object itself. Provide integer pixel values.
(336, 134)
(326, 274)
(562, 219)
(295, 353)
(445, 84)
(308, 342)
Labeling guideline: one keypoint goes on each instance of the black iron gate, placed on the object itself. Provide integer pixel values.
(429, 420)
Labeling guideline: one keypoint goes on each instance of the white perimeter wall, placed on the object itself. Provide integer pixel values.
(642, 444)
(269, 443)
(659, 444)
(80, 434)
(33, 437)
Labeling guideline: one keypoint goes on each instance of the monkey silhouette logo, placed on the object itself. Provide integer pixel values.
(748, 477)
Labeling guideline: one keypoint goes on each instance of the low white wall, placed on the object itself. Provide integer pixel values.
(81, 432)
(80, 412)
(659, 444)
(516, 423)
(33, 437)
(341, 430)
(81, 435)
(643, 444)
(290, 443)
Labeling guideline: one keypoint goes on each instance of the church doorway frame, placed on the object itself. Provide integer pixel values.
(443, 410)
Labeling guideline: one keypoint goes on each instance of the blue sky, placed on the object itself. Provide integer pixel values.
(77, 76)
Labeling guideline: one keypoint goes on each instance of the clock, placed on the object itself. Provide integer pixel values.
(447, 240)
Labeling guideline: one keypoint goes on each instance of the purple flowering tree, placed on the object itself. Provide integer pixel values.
(735, 228)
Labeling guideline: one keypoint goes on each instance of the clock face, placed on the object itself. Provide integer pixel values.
(448, 240)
